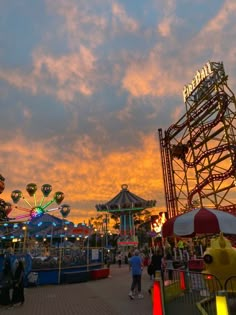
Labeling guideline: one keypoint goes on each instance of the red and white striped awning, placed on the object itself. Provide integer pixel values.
(199, 222)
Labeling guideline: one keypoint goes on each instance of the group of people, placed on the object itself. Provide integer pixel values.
(159, 262)
(12, 284)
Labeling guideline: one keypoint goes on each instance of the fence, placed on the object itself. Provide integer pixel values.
(57, 261)
(194, 293)
(68, 257)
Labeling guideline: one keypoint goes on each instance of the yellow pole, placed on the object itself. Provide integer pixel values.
(221, 304)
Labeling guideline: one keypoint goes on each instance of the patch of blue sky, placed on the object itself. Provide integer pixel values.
(48, 118)
(45, 117)
(142, 11)
(109, 99)
(127, 42)
(24, 31)
(196, 15)
(22, 28)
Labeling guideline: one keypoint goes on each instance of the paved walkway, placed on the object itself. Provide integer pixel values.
(102, 297)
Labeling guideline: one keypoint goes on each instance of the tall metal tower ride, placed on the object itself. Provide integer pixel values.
(198, 152)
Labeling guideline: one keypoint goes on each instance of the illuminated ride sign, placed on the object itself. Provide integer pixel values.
(199, 77)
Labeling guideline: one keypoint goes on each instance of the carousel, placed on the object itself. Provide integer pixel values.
(53, 250)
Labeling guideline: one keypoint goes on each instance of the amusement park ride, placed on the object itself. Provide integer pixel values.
(124, 205)
(198, 152)
(31, 210)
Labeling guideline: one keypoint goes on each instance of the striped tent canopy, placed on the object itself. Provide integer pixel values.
(126, 201)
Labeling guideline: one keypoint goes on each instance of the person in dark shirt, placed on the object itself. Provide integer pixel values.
(18, 284)
(156, 262)
(156, 265)
(6, 283)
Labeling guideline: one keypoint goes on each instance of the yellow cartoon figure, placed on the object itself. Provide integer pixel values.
(220, 262)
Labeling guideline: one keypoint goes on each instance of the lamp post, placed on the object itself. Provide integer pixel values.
(65, 238)
(51, 241)
(65, 229)
(95, 230)
(61, 255)
(24, 228)
(14, 241)
(87, 252)
(106, 230)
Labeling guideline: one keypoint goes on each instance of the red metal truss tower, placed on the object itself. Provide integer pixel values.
(198, 152)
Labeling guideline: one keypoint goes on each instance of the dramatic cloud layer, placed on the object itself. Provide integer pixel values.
(85, 85)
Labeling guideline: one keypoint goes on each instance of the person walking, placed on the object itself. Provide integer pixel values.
(6, 281)
(119, 260)
(18, 284)
(157, 262)
(156, 265)
(136, 267)
(169, 266)
(108, 260)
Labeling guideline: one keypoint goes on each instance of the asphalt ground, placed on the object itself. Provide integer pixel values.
(101, 297)
(98, 297)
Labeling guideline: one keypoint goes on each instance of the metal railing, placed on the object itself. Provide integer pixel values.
(193, 292)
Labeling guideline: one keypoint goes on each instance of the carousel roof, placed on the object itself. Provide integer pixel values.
(46, 224)
(46, 219)
(126, 201)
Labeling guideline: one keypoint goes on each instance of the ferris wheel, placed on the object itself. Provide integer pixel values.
(33, 208)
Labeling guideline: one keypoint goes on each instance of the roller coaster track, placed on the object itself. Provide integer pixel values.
(212, 124)
(183, 149)
(218, 149)
(208, 106)
(199, 150)
(216, 177)
(213, 177)
(224, 100)
(228, 208)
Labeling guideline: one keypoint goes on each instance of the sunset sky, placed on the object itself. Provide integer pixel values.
(85, 85)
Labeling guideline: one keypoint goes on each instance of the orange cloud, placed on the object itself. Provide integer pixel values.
(149, 77)
(72, 74)
(223, 17)
(121, 21)
(78, 18)
(211, 37)
(85, 174)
